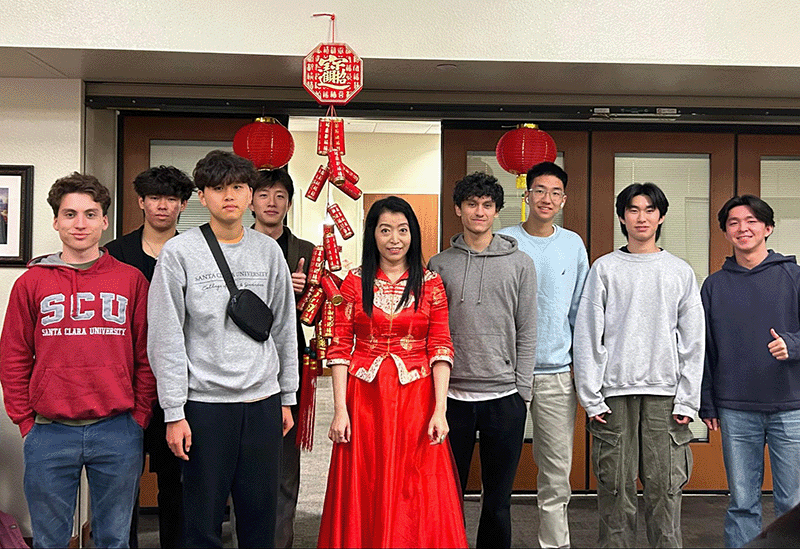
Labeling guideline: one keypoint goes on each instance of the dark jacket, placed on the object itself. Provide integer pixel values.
(296, 249)
(741, 305)
(128, 249)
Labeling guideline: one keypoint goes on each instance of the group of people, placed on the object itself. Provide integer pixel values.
(426, 360)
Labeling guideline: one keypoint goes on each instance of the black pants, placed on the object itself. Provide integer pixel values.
(236, 450)
(501, 423)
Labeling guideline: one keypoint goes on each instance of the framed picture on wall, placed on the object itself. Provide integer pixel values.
(16, 215)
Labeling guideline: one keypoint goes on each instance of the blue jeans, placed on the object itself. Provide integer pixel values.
(111, 451)
(743, 437)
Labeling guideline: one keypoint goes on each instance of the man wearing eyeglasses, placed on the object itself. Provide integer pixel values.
(561, 269)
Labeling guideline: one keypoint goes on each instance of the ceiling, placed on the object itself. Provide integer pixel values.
(175, 74)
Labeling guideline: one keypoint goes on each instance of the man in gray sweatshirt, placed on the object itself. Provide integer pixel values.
(226, 397)
(491, 294)
(638, 361)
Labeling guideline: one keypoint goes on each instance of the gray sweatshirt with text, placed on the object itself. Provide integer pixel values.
(196, 352)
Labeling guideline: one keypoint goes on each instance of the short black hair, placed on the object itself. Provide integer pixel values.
(651, 191)
(546, 168)
(478, 184)
(270, 178)
(164, 181)
(761, 210)
(78, 183)
(223, 168)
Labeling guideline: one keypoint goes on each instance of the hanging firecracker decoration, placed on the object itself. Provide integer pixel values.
(265, 142)
(521, 149)
(332, 73)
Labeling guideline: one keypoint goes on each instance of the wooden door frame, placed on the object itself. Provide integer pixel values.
(721, 151)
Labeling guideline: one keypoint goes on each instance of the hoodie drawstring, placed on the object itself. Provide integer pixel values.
(464, 282)
(74, 297)
(480, 282)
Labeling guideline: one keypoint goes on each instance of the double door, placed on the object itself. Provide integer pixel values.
(697, 171)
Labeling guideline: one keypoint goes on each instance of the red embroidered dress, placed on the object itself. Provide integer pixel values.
(389, 487)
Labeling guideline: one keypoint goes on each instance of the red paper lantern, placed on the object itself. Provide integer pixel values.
(522, 148)
(265, 142)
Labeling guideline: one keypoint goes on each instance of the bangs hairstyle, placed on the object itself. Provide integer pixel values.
(270, 178)
(370, 257)
(651, 191)
(546, 168)
(223, 168)
(164, 181)
(478, 184)
(78, 183)
(761, 210)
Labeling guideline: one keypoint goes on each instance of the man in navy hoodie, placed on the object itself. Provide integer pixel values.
(751, 383)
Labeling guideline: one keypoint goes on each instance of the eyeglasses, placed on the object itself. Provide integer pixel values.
(555, 194)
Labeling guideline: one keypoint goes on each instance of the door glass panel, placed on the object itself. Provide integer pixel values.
(780, 187)
(511, 214)
(184, 156)
(685, 179)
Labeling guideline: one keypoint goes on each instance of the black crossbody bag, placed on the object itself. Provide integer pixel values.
(245, 308)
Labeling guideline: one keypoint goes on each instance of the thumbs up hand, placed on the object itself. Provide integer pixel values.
(778, 346)
(299, 277)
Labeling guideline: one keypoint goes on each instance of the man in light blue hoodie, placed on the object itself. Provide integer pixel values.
(639, 349)
(491, 295)
(561, 268)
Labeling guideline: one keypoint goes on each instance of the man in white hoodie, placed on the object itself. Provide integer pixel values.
(638, 352)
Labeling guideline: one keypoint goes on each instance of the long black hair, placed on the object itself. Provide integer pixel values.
(370, 257)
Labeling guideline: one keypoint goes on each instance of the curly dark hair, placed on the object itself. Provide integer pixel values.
(478, 184)
(164, 181)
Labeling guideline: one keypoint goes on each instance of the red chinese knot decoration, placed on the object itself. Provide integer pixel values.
(265, 142)
(333, 73)
(522, 148)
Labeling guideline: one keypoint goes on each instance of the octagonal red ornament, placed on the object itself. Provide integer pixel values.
(265, 142)
(333, 73)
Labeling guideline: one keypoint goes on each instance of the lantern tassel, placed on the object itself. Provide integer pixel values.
(308, 404)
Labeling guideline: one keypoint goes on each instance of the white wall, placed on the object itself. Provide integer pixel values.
(714, 32)
(40, 124)
(385, 163)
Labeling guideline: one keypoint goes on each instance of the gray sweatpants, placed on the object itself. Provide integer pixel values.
(640, 439)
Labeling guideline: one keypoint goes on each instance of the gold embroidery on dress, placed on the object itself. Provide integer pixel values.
(387, 296)
(407, 342)
(403, 374)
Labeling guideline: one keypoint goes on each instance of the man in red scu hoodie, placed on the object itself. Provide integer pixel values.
(75, 375)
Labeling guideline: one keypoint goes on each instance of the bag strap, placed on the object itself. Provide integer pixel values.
(219, 257)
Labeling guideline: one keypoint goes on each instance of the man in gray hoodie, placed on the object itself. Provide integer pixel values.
(638, 352)
(491, 293)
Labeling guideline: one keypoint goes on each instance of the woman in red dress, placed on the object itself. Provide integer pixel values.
(392, 481)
